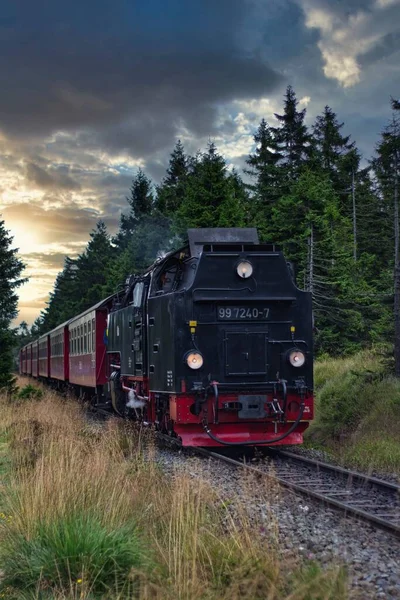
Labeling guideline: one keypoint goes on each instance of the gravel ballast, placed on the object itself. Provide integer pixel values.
(303, 527)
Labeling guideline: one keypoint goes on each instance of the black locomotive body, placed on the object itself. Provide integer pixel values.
(213, 344)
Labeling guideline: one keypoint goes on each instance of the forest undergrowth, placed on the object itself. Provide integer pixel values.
(358, 411)
(86, 512)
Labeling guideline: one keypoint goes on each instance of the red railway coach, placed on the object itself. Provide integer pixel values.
(59, 352)
(29, 359)
(87, 350)
(22, 361)
(44, 356)
(34, 359)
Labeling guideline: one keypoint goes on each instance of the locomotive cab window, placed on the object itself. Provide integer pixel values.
(167, 280)
(138, 294)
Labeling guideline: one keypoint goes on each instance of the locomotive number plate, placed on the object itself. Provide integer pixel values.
(242, 313)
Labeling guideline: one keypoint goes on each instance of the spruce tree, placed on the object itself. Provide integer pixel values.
(90, 280)
(265, 175)
(11, 268)
(329, 145)
(141, 203)
(63, 299)
(292, 139)
(211, 195)
(312, 233)
(170, 193)
(387, 169)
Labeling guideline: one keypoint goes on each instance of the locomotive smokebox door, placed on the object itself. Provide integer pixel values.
(245, 353)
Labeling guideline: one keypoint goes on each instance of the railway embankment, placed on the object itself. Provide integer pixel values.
(91, 511)
(357, 413)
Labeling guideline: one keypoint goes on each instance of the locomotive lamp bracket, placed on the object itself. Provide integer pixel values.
(275, 408)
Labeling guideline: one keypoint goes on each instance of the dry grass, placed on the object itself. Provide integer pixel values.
(165, 538)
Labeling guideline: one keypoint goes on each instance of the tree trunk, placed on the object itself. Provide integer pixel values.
(311, 261)
(396, 269)
(353, 191)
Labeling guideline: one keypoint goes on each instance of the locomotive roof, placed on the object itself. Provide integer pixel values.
(220, 235)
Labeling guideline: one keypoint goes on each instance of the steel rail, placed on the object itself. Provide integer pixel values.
(348, 509)
(355, 475)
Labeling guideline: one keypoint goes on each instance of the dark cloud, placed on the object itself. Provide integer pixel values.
(127, 73)
(387, 46)
(55, 179)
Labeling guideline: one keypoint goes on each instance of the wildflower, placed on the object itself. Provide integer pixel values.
(79, 581)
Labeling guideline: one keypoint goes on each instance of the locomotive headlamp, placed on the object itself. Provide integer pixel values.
(244, 269)
(296, 358)
(194, 360)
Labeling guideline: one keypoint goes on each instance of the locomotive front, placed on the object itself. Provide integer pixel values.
(230, 343)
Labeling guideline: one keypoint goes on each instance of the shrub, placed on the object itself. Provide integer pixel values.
(30, 392)
(357, 410)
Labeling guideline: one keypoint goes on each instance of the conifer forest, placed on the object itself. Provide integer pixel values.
(333, 212)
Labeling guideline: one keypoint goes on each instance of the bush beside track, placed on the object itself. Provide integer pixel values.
(87, 513)
(358, 411)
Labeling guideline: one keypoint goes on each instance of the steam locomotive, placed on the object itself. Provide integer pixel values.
(212, 345)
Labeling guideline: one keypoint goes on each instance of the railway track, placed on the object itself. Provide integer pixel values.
(367, 498)
(370, 499)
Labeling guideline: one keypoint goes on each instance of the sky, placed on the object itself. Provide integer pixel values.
(93, 90)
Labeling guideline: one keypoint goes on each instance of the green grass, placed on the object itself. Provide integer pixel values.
(358, 412)
(77, 551)
(29, 392)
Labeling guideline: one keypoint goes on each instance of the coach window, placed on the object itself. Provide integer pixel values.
(89, 331)
(74, 340)
(84, 338)
(81, 339)
(93, 335)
